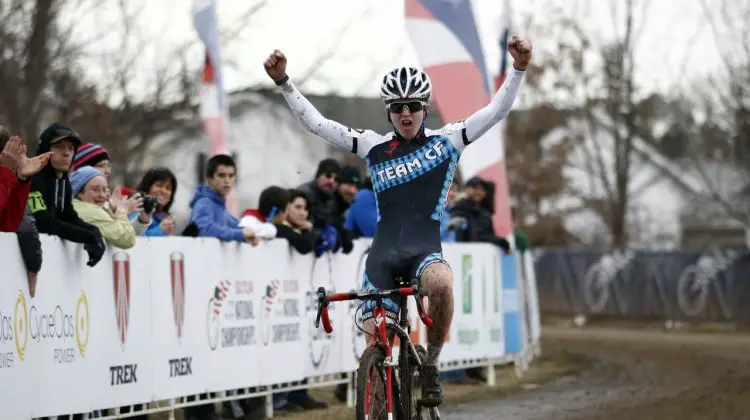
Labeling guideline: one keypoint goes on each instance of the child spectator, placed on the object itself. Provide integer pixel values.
(271, 219)
(210, 214)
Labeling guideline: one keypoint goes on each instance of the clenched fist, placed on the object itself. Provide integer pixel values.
(520, 50)
(275, 65)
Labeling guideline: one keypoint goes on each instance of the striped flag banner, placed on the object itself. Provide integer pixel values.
(447, 41)
(214, 103)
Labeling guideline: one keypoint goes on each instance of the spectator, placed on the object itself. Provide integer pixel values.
(326, 215)
(14, 193)
(15, 172)
(50, 199)
(210, 214)
(362, 217)
(320, 192)
(448, 224)
(91, 196)
(349, 183)
(96, 156)
(159, 184)
(272, 201)
(477, 217)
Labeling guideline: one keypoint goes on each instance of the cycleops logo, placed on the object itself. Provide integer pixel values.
(177, 277)
(320, 342)
(121, 277)
(68, 330)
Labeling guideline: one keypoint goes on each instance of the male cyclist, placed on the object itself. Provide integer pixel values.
(412, 170)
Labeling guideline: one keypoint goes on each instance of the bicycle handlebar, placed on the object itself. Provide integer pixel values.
(325, 299)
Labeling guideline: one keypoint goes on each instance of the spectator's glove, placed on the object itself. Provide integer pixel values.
(345, 238)
(95, 251)
(328, 240)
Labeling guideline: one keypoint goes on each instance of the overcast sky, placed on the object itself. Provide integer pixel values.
(673, 39)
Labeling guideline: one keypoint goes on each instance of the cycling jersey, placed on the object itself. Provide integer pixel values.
(410, 179)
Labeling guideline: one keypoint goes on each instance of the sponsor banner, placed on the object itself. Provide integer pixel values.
(283, 319)
(493, 306)
(513, 324)
(349, 314)
(18, 372)
(66, 330)
(697, 286)
(120, 307)
(532, 300)
(468, 339)
(182, 280)
(323, 355)
(180, 316)
(233, 304)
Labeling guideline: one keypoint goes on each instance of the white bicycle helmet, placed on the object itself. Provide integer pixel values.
(405, 84)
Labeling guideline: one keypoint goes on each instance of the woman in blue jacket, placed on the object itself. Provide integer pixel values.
(161, 184)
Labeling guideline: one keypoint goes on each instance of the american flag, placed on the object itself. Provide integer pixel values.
(447, 41)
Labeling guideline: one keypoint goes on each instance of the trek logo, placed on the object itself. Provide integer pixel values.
(421, 159)
(123, 374)
(121, 276)
(177, 274)
(180, 367)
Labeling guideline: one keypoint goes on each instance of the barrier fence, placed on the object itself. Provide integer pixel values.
(175, 317)
(709, 286)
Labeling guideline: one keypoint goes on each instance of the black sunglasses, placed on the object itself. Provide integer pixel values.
(398, 107)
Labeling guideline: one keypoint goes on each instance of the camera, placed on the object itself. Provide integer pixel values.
(149, 204)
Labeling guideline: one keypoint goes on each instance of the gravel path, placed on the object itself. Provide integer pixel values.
(638, 375)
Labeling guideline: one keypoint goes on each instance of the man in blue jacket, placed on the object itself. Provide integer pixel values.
(363, 212)
(210, 214)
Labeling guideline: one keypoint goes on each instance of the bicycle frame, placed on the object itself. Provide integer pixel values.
(381, 325)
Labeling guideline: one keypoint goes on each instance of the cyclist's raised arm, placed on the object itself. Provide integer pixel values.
(304, 111)
(329, 130)
(498, 109)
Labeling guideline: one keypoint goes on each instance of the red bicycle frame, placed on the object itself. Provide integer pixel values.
(381, 322)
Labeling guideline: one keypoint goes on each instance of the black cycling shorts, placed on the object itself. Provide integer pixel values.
(381, 274)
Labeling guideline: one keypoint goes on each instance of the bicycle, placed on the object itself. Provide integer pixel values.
(377, 359)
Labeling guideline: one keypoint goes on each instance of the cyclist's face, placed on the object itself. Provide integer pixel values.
(407, 117)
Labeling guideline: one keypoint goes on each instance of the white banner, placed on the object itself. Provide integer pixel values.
(182, 281)
(181, 316)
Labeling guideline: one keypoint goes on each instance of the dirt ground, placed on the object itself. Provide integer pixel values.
(607, 373)
(637, 375)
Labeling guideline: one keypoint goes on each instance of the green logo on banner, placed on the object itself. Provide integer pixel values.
(466, 274)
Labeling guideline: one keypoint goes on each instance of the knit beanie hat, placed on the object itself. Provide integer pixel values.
(350, 175)
(328, 166)
(81, 176)
(89, 154)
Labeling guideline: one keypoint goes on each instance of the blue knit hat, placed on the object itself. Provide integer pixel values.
(81, 176)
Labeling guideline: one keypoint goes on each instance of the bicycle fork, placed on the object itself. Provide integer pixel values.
(381, 325)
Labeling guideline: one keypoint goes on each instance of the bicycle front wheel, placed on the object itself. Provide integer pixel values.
(371, 385)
